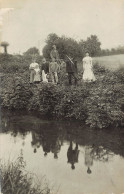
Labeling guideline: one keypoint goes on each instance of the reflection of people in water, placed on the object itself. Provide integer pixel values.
(46, 141)
(55, 147)
(23, 139)
(35, 141)
(72, 155)
(46, 145)
(88, 158)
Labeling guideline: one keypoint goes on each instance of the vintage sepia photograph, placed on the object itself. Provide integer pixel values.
(61, 96)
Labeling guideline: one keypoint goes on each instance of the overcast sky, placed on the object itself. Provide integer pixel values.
(29, 23)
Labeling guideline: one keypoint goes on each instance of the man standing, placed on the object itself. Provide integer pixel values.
(54, 54)
(71, 69)
(72, 155)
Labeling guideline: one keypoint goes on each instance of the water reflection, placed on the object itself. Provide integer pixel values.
(89, 158)
(50, 135)
(73, 155)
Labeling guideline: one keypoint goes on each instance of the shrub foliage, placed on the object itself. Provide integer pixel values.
(99, 104)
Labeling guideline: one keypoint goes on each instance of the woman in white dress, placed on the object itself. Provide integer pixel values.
(88, 74)
(34, 72)
(89, 158)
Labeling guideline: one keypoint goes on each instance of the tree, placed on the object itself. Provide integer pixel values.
(92, 45)
(32, 52)
(65, 46)
(4, 45)
(52, 39)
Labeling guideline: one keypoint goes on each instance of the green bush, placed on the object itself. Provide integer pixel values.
(45, 97)
(98, 104)
(16, 63)
(72, 103)
(16, 92)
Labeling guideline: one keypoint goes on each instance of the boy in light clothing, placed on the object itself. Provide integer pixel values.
(53, 69)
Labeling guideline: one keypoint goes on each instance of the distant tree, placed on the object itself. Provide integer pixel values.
(32, 51)
(92, 44)
(69, 46)
(113, 51)
(52, 39)
(65, 46)
(4, 45)
(120, 50)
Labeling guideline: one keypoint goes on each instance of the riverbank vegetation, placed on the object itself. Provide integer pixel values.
(98, 104)
(14, 177)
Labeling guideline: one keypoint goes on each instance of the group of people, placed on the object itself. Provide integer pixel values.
(52, 144)
(52, 69)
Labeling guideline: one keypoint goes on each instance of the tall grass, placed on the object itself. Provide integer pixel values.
(16, 180)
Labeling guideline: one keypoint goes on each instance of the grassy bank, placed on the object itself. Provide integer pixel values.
(16, 180)
(98, 104)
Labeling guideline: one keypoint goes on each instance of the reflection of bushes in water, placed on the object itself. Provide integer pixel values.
(99, 104)
(15, 178)
(101, 154)
(46, 133)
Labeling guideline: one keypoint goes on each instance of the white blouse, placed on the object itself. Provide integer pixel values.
(33, 65)
(87, 60)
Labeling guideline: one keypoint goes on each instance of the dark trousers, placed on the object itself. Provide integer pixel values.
(72, 75)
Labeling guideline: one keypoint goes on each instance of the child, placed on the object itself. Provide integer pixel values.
(53, 69)
(45, 70)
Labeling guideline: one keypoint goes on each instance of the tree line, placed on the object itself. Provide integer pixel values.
(76, 49)
(70, 46)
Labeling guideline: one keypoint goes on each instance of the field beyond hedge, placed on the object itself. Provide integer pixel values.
(113, 62)
(99, 104)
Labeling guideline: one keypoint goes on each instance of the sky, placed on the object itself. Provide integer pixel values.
(27, 23)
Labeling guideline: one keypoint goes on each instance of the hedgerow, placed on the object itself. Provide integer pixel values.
(99, 104)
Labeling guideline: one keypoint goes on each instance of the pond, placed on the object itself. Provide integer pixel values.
(74, 158)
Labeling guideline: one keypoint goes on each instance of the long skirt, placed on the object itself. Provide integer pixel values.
(37, 77)
(88, 75)
(32, 73)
